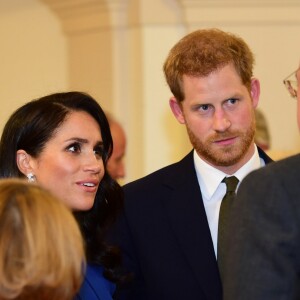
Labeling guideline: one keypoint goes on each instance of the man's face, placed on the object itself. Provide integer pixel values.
(115, 164)
(218, 112)
(298, 96)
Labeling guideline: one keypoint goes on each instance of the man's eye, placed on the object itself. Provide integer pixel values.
(204, 107)
(232, 101)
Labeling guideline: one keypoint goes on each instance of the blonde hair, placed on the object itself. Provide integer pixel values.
(41, 248)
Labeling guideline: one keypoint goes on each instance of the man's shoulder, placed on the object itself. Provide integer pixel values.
(292, 162)
(284, 170)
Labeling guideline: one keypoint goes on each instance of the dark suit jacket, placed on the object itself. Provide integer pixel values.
(166, 239)
(263, 259)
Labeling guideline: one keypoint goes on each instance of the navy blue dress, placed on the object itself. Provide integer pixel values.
(95, 286)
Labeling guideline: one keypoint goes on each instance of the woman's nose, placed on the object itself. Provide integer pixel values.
(93, 163)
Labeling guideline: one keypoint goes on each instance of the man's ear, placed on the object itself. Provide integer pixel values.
(24, 162)
(177, 110)
(255, 91)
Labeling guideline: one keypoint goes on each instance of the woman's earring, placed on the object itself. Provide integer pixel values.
(31, 177)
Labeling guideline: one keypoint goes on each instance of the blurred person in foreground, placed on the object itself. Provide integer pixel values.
(169, 230)
(41, 248)
(263, 259)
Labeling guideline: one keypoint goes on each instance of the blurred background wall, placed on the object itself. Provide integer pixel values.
(114, 50)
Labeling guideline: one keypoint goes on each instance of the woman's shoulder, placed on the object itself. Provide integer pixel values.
(95, 286)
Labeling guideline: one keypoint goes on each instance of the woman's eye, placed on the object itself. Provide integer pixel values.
(99, 151)
(74, 148)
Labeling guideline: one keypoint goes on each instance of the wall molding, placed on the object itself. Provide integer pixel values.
(239, 3)
(86, 15)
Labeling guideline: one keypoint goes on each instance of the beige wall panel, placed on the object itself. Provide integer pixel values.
(132, 113)
(33, 54)
(165, 140)
(91, 65)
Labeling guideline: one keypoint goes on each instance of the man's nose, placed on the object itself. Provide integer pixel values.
(221, 121)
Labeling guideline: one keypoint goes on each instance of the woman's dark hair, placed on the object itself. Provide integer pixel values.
(30, 127)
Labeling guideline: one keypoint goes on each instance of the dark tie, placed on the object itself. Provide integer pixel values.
(231, 184)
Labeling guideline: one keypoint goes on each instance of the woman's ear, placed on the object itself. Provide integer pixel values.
(24, 162)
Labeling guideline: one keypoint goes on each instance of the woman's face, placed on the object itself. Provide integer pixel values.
(71, 164)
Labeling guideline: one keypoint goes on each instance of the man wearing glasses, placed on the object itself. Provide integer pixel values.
(263, 258)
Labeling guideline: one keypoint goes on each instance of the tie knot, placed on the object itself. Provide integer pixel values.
(231, 183)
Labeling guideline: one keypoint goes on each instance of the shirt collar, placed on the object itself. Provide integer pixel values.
(209, 177)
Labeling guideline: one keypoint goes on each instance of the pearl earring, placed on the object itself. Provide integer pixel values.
(31, 177)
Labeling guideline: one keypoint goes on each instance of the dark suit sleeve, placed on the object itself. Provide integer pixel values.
(263, 248)
(120, 236)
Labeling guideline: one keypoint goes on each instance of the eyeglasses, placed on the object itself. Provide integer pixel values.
(291, 84)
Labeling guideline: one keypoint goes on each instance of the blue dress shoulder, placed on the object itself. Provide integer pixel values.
(95, 286)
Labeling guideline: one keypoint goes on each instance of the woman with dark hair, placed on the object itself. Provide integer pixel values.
(62, 142)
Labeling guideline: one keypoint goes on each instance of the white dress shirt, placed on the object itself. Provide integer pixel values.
(213, 190)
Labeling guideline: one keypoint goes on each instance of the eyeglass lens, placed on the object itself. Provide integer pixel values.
(291, 87)
(291, 84)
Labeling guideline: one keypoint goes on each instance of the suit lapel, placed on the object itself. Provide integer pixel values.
(186, 214)
(267, 159)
